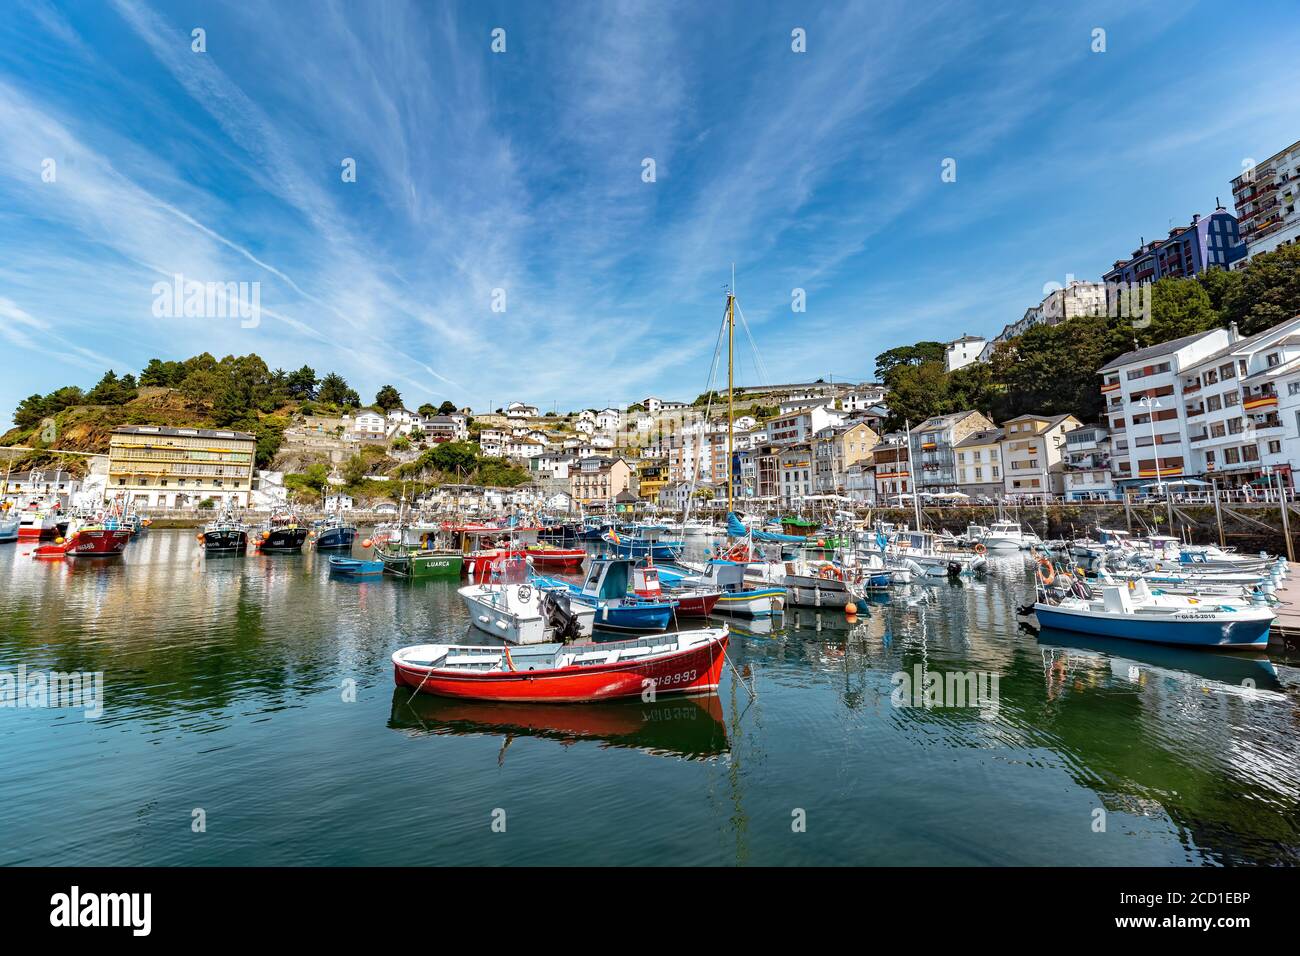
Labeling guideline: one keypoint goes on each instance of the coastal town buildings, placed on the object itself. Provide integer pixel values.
(933, 448)
(962, 352)
(1207, 242)
(1147, 410)
(179, 467)
(1087, 464)
(837, 447)
(597, 478)
(891, 468)
(979, 463)
(1032, 457)
(1265, 199)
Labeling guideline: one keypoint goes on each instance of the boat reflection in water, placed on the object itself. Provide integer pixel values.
(1236, 671)
(689, 727)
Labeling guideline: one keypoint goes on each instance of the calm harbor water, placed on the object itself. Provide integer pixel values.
(226, 679)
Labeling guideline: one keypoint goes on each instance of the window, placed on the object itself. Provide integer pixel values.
(1274, 446)
(1209, 457)
(1227, 371)
(1230, 399)
(1213, 403)
(1231, 456)
(1273, 359)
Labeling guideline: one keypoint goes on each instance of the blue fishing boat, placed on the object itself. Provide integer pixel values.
(9, 528)
(593, 528)
(1131, 610)
(606, 589)
(647, 542)
(334, 534)
(355, 568)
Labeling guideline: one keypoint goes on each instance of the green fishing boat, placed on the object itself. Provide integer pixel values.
(407, 562)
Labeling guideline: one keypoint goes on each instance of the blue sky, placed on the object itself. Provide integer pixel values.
(522, 171)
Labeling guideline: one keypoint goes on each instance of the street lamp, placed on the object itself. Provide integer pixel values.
(1151, 404)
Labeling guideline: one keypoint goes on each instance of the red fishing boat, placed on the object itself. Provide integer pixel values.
(38, 524)
(691, 602)
(677, 663)
(89, 538)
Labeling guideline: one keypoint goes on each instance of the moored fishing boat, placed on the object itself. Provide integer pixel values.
(282, 534)
(606, 590)
(1008, 536)
(509, 608)
(1130, 610)
(95, 537)
(226, 535)
(690, 601)
(736, 597)
(648, 541)
(9, 527)
(681, 662)
(38, 524)
(334, 534)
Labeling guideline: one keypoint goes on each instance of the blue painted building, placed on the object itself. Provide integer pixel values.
(1207, 242)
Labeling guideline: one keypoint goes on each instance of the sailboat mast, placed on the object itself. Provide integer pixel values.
(731, 342)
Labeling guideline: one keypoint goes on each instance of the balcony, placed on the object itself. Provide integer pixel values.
(1193, 411)
(1255, 403)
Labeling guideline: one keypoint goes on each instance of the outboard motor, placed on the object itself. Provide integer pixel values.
(560, 616)
(954, 570)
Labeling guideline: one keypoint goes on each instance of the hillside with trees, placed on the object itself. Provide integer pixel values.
(1053, 369)
(237, 392)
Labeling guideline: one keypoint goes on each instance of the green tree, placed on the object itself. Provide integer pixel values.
(427, 411)
(890, 362)
(334, 390)
(446, 408)
(1268, 293)
(388, 398)
(301, 385)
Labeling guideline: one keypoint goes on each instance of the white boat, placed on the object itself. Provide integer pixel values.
(9, 528)
(523, 614)
(738, 596)
(921, 549)
(1008, 536)
(1130, 610)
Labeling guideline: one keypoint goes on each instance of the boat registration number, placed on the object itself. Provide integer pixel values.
(685, 677)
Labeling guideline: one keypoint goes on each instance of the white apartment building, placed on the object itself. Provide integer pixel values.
(369, 424)
(960, 352)
(1240, 407)
(524, 448)
(800, 426)
(1265, 197)
(863, 397)
(608, 419)
(1087, 464)
(1143, 393)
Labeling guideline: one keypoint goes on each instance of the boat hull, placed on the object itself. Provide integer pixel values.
(336, 539)
(97, 543)
(695, 670)
(225, 541)
(803, 590)
(633, 617)
(1218, 630)
(353, 568)
(283, 541)
(416, 564)
(557, 559)
(694, 605)
(758, 602)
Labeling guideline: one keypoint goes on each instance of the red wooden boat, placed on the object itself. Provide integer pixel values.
(691, 602)
(681, 662)
(547, 558)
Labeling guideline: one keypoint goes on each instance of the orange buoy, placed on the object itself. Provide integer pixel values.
(198, 538)
(265, 535)
(851, 609)
(367, 543)
(58, 540)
